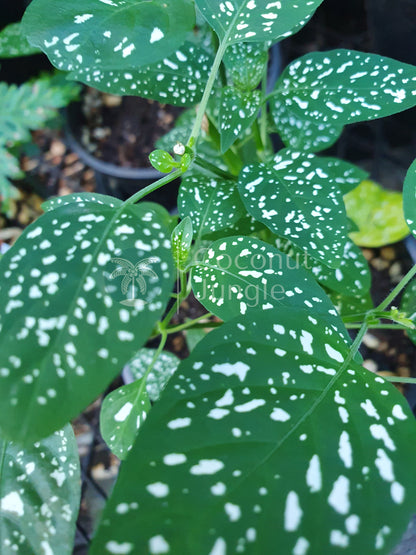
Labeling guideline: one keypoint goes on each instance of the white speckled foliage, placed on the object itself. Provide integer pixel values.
(178, 79)
(239, 275)
(39, 495)
(300, 448)
(70, 327)
(212, 204)
(256, 20)
(344, 86)
(13, 42)
(122, 413)
(299, 196)
(108, 34)
(238, 110)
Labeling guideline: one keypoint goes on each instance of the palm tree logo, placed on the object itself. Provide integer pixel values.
(133, 273)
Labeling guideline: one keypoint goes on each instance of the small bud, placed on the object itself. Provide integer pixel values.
(179, 149)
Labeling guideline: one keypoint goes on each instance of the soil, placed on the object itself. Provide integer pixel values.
(123, 130)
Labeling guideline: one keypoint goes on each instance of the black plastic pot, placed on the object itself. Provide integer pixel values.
(117, 181)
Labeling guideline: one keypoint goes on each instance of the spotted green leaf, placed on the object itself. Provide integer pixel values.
(39, 495)
(408, 305)
(95, 198)
(13, 43)
(246, 64)
(122, 414)
(163, 369)
(239, 275)
(178, 79)
(348, 306)
(162, 161)
(409, 198)
(108, 34)
(256, 20)
(299, 196)
(181, 242)
(343, 86)
(98, 280)
(352, 277)
(238, 109)
(211, 203)
(378, 213)
(258, 442)
(299, 132)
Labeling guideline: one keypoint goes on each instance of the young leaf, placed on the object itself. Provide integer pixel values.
(211, 203)
(299, 196)
(238, 110)
(40, 495)
(265, 423)
(13, 43)
(162, 161)
(178, 79)
(110, 34)
(409, 198)
(378, 213)
(343, 86)
(300, 133)
(239, 275)
(246, 63)
(122, 413)
(256, 20)
(163, 369)
(98, 280)
(181, 242)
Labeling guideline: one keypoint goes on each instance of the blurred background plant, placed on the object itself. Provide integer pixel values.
(31, 105)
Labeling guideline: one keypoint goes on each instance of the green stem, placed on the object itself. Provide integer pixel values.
(355, 346)
(378, 326)
(153, 187)
(395, 379)
(183, 293)
(196, 130)
(194, 324)
(213, 169)
(410, 274)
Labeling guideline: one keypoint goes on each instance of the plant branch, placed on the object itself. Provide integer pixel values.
(153, 187)
(213, 169)
(196, 130)
(399, 287)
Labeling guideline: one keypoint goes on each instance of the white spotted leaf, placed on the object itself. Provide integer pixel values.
(238, 110)
(345, 86)
(353, 276)
(409, 198)
(98, 279)
(300, 133)
(122, 413)
(108, 34)
(299, 196)
(179, 79)
(246, 64)
(163, 369)
(182, 237)
(13, 43)
(263, 424)
(240, 275)
(212, 203)
(39, 495)
(256, 20)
